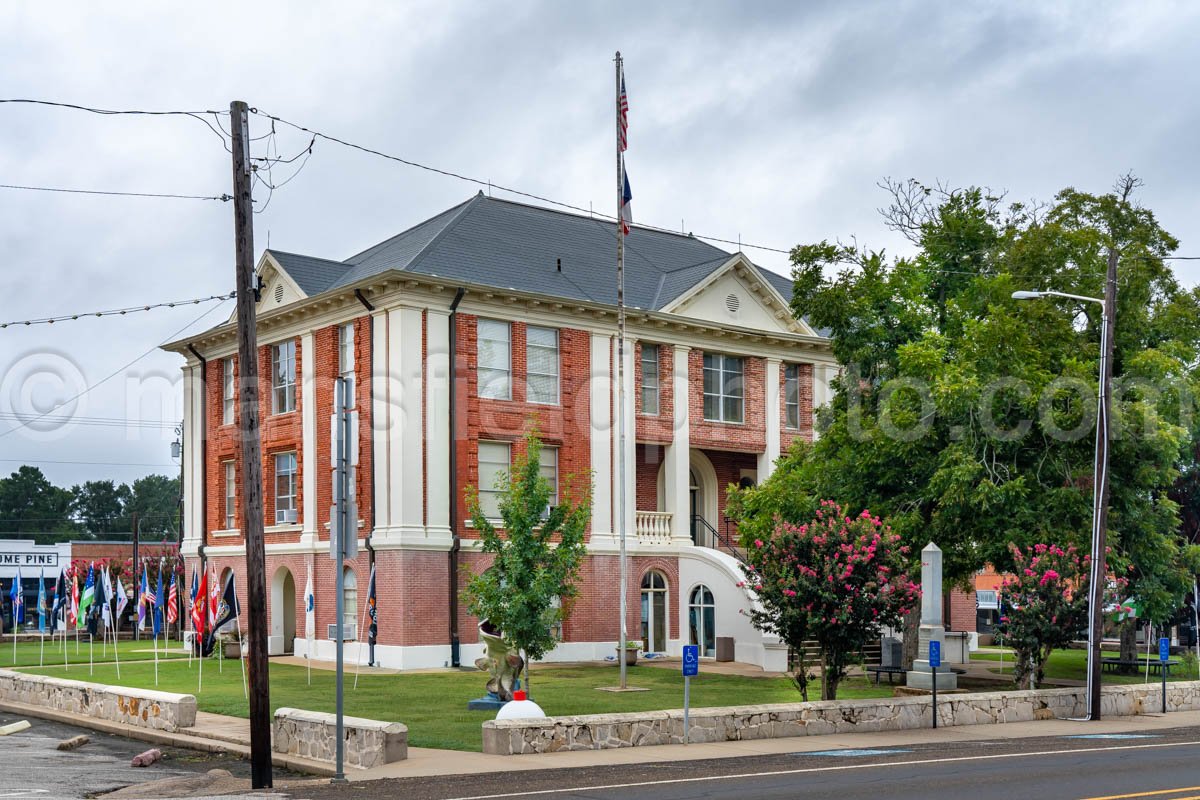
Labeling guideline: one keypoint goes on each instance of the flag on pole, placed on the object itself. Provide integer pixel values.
(17, 599)
(106, 609)
(228, 608)
(310, 607)
(73, 609)
(41, 607)
(200, 604)
(373, 628)
(98, 608)
(89, 596)
(122, 598)
(145, 598)
(173, 602)
(214, 600)
(60, 599)
(623, 117)
(626, 208)
(160, 600)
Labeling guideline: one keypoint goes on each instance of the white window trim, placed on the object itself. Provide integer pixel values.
(554, 483)
(294, 472)
(657, 381)
(508, 358)
(288, 386)
(346, 363)
(491, 490)
(721, 395)
(230, 475)
(787, 422)
(557, 366)
(228, 392)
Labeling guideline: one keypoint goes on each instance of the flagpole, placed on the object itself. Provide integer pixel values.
(242, 655)
(621, 375)
(116, 651)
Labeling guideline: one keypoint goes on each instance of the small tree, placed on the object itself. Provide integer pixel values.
(538, 549)
(1045, 606)
(835, 581)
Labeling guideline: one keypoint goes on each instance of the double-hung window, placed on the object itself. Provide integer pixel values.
(723, 390)
(548, 469)
(285, 488)
(283, 377)
(650, 379)
(230, 496)
(791, 395)
(228, 391)
(494, 462)
(541, 365)
(346, 360)
(494, 370)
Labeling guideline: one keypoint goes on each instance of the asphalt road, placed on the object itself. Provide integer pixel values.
(1162, 766)
(32, 767)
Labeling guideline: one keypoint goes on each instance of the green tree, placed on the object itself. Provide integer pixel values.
(968, 418)
(100, 506)
(831, 579)
(156, 500)
(537, 550)
(29, 503)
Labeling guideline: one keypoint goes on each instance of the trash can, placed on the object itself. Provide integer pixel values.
(724, 648)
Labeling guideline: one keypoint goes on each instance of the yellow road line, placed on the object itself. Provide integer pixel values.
(1151, 794)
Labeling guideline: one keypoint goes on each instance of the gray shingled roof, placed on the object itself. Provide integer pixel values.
(491, 242)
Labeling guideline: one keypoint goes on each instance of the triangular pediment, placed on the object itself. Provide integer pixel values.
(278, 288)
(735, 293)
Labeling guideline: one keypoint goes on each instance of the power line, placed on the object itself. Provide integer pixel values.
(98, 422)
(224, 198)
(89, 463)
(110, 376)
(114, 312)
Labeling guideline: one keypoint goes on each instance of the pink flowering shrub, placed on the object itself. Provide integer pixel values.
(1044, 606)
(835, 580)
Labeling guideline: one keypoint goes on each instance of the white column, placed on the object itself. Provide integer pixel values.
(677, 467)
(381, 422)
(312, 462)
(193, 451)
(630, 446)
(406, 433)
(437, 424)
(766, 459)
(600, 399)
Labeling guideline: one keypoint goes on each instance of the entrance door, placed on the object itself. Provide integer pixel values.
(654, 612)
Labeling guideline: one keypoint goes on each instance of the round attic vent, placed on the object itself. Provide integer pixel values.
(279, 293)
(732, 303)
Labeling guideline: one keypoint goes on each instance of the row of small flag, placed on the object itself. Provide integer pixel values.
(211, 607)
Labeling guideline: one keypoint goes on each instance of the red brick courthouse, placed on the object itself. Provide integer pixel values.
(455, 333)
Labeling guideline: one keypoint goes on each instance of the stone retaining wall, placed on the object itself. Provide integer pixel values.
(605, 731)
(310, 734)
(142, 708)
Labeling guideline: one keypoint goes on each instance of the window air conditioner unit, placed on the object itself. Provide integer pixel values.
(349, 632)
(289, 516)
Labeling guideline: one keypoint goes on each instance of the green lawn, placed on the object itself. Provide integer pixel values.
(434, 705)
(27, 653)
(1072, 664)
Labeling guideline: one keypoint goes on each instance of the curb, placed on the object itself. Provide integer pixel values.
(173, 739)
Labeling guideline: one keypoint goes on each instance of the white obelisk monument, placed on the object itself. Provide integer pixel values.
(921, 676)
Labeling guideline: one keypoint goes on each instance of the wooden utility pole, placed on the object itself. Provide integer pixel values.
(1099, 571)
(251, 434)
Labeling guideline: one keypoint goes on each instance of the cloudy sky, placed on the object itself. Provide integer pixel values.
(773, 125)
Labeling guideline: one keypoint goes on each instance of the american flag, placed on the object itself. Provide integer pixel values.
(623, 117)
(173, 602)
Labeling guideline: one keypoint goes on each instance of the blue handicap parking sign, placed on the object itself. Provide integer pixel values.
(1164, 649)
(691, 660)
(935, 654)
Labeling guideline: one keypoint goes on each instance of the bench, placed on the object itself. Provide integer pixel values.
(889, 671)
(1136, 665)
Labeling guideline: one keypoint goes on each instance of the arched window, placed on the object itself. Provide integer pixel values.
(349, 601)
(702, 612)
(654, 612)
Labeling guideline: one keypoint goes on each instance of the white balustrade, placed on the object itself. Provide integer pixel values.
(653, 527)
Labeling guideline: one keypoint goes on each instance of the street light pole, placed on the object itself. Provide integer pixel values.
(1099, 569)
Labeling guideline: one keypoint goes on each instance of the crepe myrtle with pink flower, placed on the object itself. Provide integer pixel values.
(834, 581)
(1045, 605)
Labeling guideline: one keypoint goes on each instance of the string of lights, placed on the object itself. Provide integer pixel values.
(119, 312)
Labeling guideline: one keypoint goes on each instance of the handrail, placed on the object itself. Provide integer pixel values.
(713, 538)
